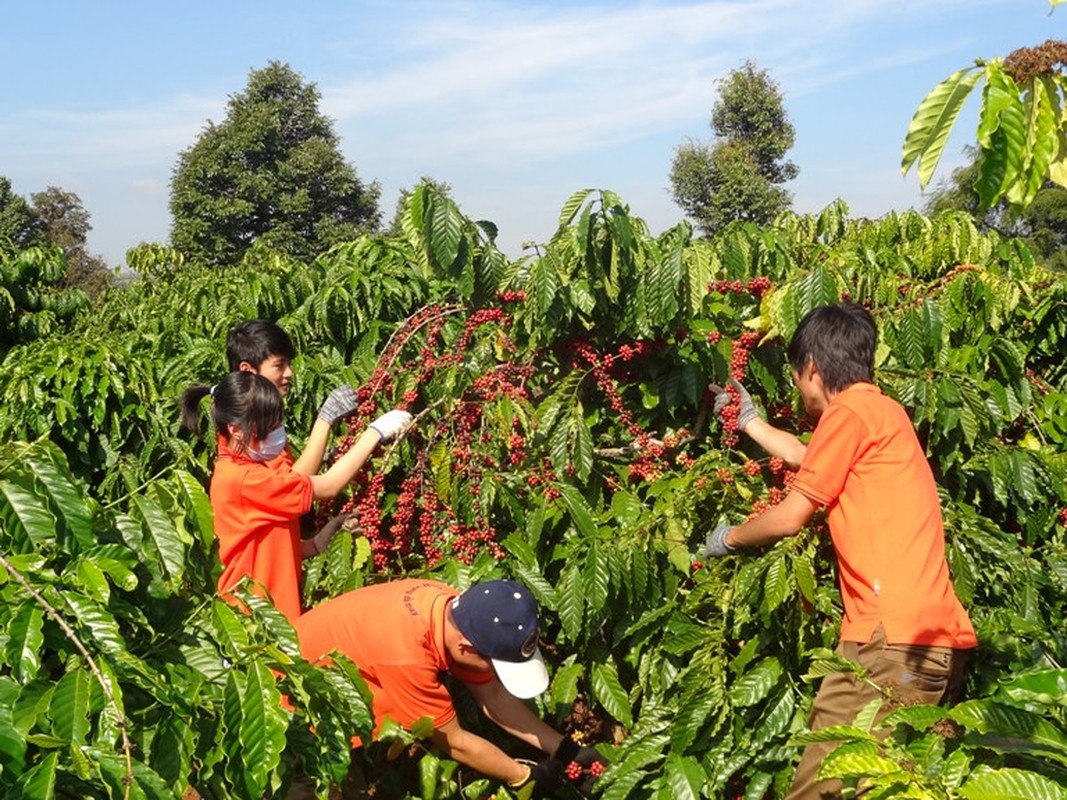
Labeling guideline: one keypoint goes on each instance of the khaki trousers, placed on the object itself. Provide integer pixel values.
(907, 675)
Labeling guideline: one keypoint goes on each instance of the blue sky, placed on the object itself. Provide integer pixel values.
(515, 104)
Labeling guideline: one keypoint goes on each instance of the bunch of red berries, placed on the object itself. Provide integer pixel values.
(510, 296)
(1063, 517)
(574, 771)
(759, 286)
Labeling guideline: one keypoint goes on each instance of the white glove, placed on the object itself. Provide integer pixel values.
(392, 423)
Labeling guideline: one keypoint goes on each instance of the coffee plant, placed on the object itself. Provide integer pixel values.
(564, 438)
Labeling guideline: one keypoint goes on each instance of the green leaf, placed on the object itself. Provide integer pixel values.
(23, 647)
(581, 514)
(52, 471)
(263, 725)
(565, 685)
(857, 760)
(1012, 728)
(572, 206)
(69, 708)
(39, 783)
(756, 684)
(161, 531)
(933, 120)
(117, 561)
(571, 606)
(776, 583)
(685, 777)
(24, 519)
(595, 578)
(1048, 687)
(1010, 784)
(609, 692)
(1002, 137)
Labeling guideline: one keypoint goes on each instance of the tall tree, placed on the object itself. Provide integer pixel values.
(19, 225)
(272, 170)
(66, 225)
(738, 175)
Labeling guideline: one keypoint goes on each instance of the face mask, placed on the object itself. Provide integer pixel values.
(270, 447)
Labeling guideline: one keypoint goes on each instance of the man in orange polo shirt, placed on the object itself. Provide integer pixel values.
(864, 465)
(406, 634)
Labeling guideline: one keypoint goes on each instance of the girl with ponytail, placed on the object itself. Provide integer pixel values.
(257, 498)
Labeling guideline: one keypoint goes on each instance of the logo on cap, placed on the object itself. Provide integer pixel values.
(529, 647)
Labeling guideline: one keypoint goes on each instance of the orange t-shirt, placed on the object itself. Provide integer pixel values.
(257, 508)
(395, 632)
(865, 465)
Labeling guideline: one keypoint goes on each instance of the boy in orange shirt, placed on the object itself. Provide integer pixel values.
(864, 464)
(405, 635)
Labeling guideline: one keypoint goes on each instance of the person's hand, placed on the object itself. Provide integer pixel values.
(591, 765)
(716, 545)
(341, 403)
(746, 409)
(321, 540)
(390, 424)
(543, 775)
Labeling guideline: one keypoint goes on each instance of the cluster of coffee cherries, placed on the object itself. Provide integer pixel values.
(574, 771)
(756, 286)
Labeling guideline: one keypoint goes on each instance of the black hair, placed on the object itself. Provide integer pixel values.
(245, 400)
(840, 340)
(256, 340)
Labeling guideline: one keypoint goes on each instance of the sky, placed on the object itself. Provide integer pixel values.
(516, 105)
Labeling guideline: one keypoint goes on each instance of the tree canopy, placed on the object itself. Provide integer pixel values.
(66, 225)
(738, 176)
(19, 225)
(271, 171)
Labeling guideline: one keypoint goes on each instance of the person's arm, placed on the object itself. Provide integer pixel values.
(310, 461)
(330, 483)
(478, 753)
(340, 474)
(776, 442)
(514, 716)
(777, 522)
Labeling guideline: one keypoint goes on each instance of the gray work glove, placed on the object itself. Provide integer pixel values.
(392, 423)
(746, 409)
(715, 546)
(341, 403)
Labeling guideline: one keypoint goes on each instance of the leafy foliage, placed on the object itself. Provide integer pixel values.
(1021, 131)
(564, 440)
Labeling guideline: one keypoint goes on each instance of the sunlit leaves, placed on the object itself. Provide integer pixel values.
(933, 120)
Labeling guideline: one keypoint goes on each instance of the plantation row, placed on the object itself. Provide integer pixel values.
(564, 438)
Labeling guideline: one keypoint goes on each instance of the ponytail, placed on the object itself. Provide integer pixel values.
(189, 402)
(244, 400)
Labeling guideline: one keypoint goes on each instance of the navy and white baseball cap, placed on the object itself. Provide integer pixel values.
(500, 619)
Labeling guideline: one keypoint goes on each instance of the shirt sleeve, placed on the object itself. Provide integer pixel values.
(277, 494)
(830, 455)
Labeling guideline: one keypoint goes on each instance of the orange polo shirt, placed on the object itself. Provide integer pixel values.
(395, 632)
(257, 521)
(865, 465)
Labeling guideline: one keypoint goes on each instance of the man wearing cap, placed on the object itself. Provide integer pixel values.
(405, 635)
